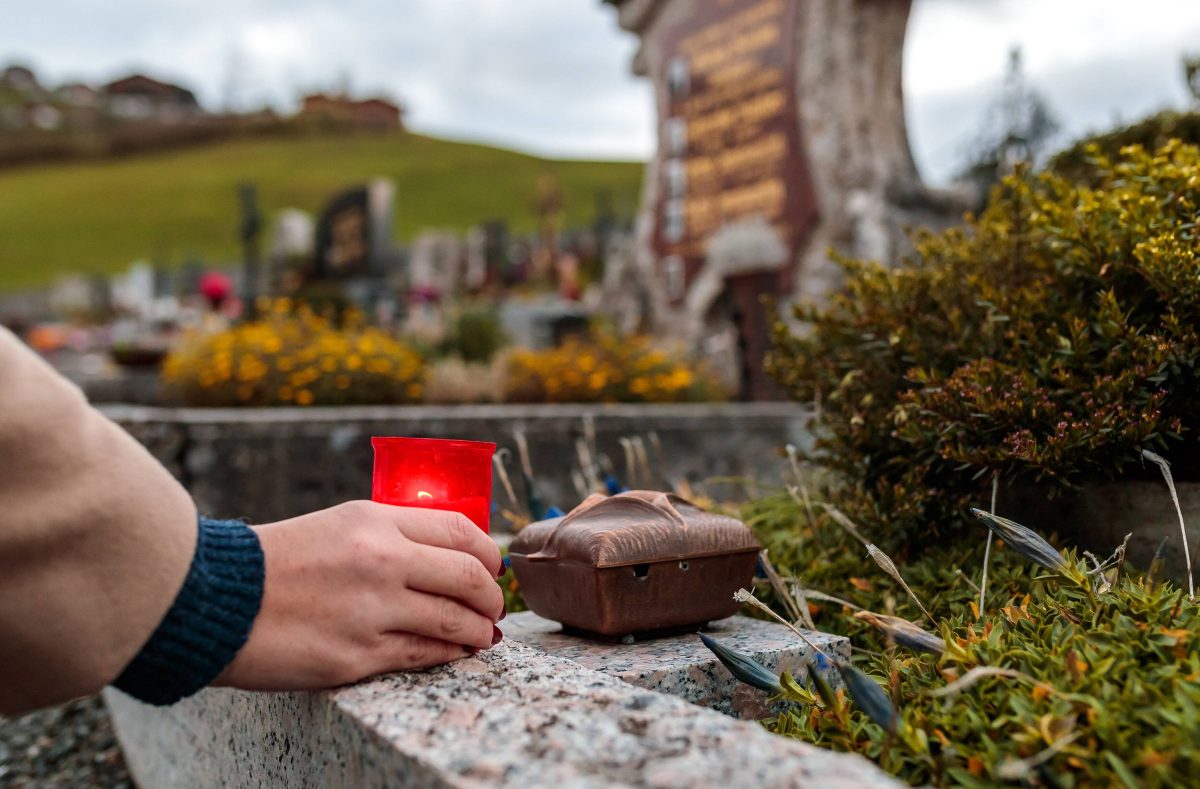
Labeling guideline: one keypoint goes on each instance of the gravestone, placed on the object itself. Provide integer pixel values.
(290, 250)
(353, 248)
(783, 115)
(343, 236)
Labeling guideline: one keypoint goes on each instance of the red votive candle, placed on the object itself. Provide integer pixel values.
(435, 473)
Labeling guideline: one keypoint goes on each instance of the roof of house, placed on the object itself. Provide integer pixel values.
(141, 85)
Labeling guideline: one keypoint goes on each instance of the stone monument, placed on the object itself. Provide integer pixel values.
(780, 129)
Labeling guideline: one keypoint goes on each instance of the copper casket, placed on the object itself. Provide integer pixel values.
(636, 562)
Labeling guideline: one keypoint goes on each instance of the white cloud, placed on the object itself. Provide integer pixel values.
(1095, 62)
(553, 75)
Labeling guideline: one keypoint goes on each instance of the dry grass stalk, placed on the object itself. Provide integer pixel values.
(1022, 769)
(580, 483)
(888, 566)
(523, 452)
(630, 461)
(1165, 467)
(904, 632)
(828, 598)
(797, 612)
(982, 672)
(639, 451)
(799, 595)
(659, 456)
(589, 432)
(502, 472)
(804, 497)
(963, 576)
(987, 550)
(587, 464)
(841, 519)
(746, 596)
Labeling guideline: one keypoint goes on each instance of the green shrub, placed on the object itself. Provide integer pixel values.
(1082, 161)
(476, 336)
(1074, 684)
(1050, 340)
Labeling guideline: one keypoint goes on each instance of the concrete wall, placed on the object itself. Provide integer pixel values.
(268, 464)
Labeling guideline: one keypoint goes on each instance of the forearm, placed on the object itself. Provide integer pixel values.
(96, 539)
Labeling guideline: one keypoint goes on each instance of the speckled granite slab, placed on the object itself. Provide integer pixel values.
(681, 665)
(510, 717)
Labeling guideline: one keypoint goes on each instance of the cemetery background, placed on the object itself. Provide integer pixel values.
(438, 308)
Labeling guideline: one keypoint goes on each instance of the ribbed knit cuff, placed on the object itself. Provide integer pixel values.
(208, 622)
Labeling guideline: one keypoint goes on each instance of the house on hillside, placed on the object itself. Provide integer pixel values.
(141, 98)
(81, 106)
(23, 103)
(20, 79)
(373, 113)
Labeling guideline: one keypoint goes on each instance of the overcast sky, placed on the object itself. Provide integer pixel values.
(552, 76)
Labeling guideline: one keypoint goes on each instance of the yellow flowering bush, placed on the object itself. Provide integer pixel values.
(605, 368)
(293, 356)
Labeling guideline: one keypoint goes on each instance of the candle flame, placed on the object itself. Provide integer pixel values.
(424, 495)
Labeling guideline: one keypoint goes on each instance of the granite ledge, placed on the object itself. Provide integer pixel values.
(681, 665)
(509, 717)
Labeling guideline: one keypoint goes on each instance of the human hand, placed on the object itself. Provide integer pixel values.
(365, 588)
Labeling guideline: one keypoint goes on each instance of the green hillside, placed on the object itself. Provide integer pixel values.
(101, 215)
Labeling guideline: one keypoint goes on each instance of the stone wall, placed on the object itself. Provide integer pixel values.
(268, 464)
(512, 716)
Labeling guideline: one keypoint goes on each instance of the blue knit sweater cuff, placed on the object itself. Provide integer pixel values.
(208, 622)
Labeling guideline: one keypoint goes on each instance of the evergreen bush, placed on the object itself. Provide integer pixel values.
(1051, 340)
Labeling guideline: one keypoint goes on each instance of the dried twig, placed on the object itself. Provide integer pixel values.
(1165, 467)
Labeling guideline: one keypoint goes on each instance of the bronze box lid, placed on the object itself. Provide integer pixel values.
(635, 562)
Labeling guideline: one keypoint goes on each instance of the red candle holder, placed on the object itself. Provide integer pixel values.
(435, 473)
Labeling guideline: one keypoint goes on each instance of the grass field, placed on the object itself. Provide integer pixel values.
(99, 216)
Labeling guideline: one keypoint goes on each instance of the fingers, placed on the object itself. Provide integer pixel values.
(446, 529)
(440, 618)
(450, 573)
(404, 651)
